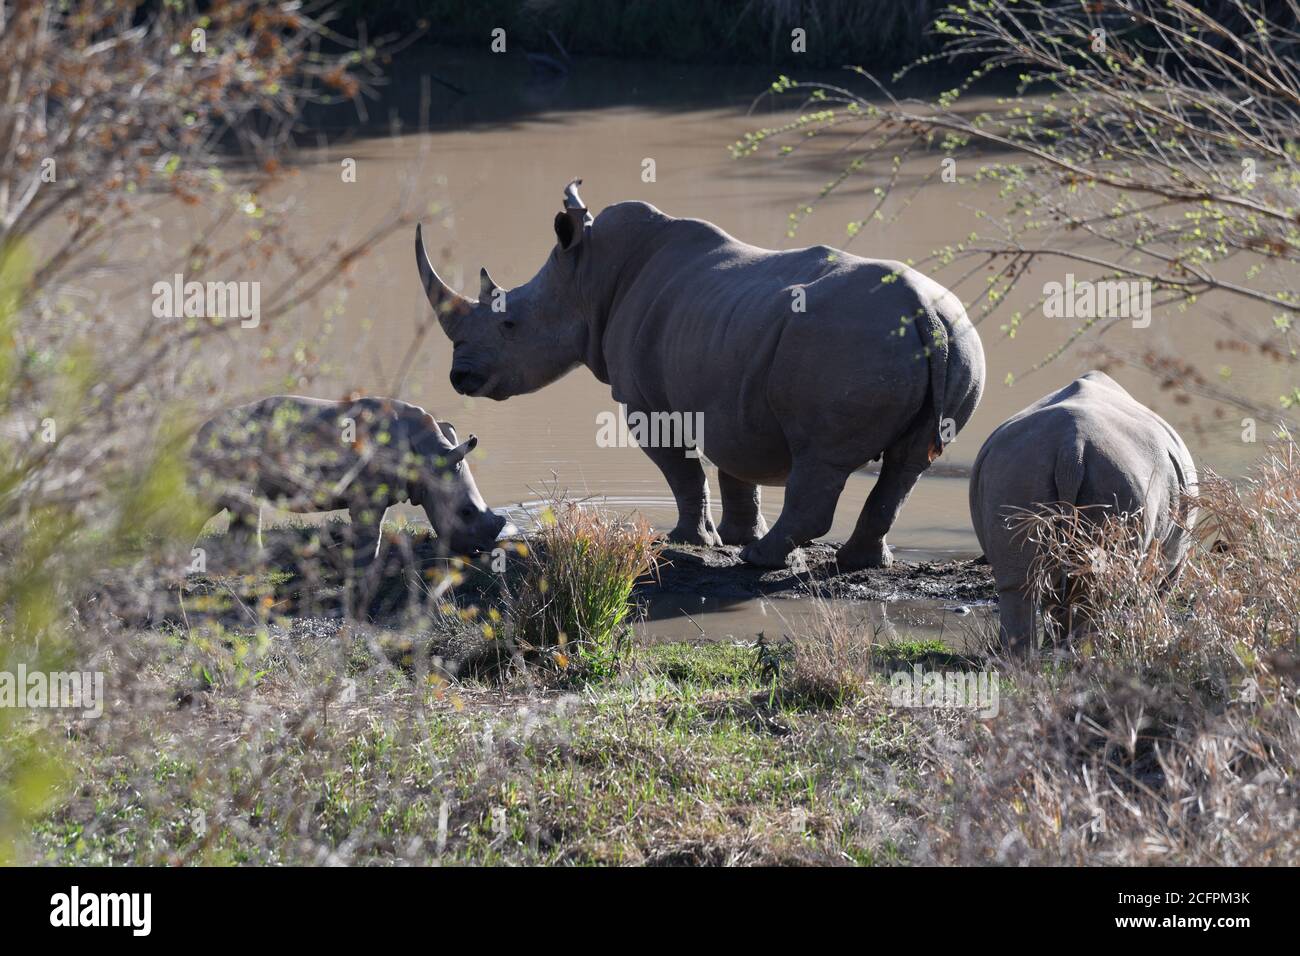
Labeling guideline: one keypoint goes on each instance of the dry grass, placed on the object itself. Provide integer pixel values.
(1232, 615)
(829, 664)
(1099, 768)
(1170, 731)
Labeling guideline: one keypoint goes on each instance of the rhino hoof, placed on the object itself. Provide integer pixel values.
(754, 553)
(703, 537)
(856, 559)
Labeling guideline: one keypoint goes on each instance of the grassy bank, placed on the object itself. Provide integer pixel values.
(681, 760)
(237, 735)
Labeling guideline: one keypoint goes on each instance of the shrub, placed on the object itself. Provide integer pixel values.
(577, 584)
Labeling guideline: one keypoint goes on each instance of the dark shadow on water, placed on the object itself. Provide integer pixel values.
(443, 88)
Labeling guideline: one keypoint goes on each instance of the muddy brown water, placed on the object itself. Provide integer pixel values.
(487, 176)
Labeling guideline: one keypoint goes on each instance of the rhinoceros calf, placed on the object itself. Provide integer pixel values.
(1090, 445)
(311, 455)
(801, 366)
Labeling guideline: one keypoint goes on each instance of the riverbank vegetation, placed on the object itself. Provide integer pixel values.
(141, 140)
(1168, 735)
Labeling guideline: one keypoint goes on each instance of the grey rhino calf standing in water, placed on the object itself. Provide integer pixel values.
(1092, 446)
(311, 455)
(802, 366)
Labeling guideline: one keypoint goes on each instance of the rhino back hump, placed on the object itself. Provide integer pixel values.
(709, 321)
(293, 449)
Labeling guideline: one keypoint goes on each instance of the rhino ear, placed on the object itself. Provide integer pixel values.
(458, 453)
(485, 285)
(565, 232)
(448, 432)
(570, 225)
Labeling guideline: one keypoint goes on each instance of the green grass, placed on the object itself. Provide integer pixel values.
(677, 761)
(712, 666)
(894, 654)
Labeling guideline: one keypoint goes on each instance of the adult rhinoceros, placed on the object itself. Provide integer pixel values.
(1091, 448)
(803, 365)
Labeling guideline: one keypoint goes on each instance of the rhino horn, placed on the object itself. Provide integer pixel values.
(485, 285)
(446, 301)
(571, 198)
(573, 204)
(570, 224)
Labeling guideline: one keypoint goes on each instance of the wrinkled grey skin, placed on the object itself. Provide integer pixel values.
(291, 452)
(677, 316)
(1090, 445)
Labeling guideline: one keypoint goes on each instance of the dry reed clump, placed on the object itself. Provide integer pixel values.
(829, 663)
(1233, 615)
(1172, 732)
(574, 599)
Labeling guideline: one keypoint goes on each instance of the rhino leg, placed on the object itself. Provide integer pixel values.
(811, 493)
(1015, 619)
(691, 489)
(364, 535)
(245, 528)
(866, 547)
(742, 521)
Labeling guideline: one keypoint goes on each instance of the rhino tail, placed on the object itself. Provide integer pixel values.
(935, 340)
(1069, 473)
(1188, 488)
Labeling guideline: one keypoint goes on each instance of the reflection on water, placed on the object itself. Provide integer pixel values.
(682, 617)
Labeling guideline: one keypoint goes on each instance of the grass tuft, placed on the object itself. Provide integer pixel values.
(573, 600)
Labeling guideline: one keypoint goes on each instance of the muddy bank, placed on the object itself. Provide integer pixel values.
(719, 573)
(302, 574)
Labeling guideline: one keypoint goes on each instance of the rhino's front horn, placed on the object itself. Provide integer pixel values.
(446, 301)
(485, 285)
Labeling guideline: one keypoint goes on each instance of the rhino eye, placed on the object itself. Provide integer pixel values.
(508, 325)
